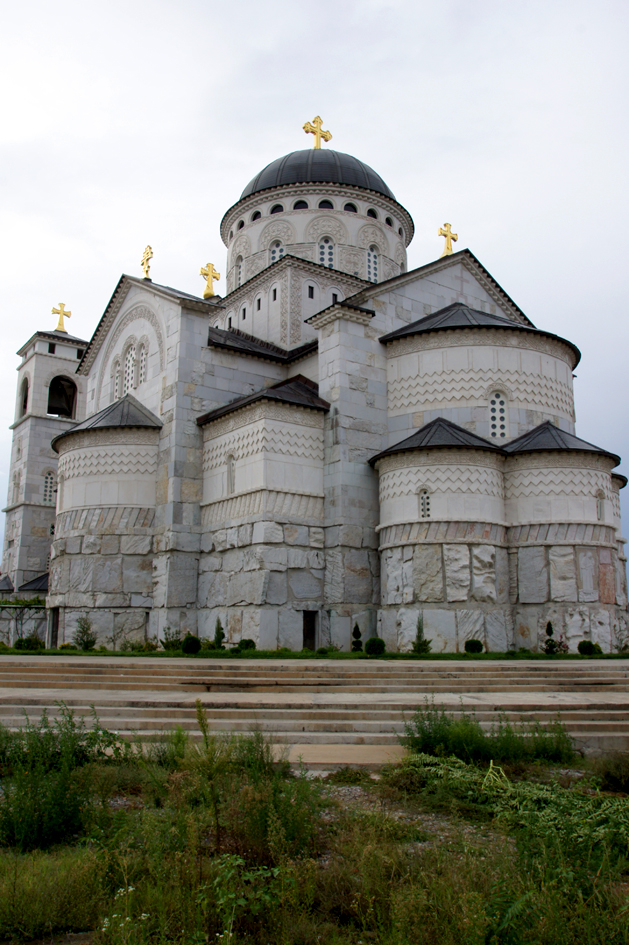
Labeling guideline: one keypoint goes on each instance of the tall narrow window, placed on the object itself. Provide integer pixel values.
(49, 488)
(600, 505)
(239, 271)
(24, 397)
(142, 364)
(115, 381)
(258, 304)
(275, 295)
(372, 264)
(277, 251)
(498, 415)
(15, 496)
(311, 292)
(128, 377)
(231, 474)
(424, 504)
(326, 252)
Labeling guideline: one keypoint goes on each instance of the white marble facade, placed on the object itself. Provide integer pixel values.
(271, 487)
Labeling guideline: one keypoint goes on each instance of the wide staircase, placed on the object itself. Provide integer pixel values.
(332, 710)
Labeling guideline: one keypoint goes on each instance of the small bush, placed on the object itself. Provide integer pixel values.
(551, 646)
(613, 770)
(474, 646)
(588, 648)
(246, 644)
(375, 646)
(84, 635)
(421, 646)
(190, 644)
(323, 651)
(67, 646)
(357, 642)
(219, 635)
(207, 644)
(31, 642)
(171, 640)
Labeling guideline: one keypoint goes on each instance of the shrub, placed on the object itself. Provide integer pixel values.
(207, 644)
(588, 648)
(171, 640)
(219, 635)
(357, 642)
(190, 644)
(67, 646)
(551, 646)
(375, 646)
(31, 642)
(84, 635)
(474, 646)
(434, 732)
(323, 651)
(246, 644)
(421, 645)
(613, 770)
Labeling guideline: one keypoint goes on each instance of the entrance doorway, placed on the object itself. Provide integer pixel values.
(310, 629)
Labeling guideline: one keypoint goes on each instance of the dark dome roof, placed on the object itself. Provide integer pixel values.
(317, 166)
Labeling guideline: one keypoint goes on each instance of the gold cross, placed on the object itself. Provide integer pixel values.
(446, 230)
(147, 255)
(315, 129)
(210, 274)
(61, 312)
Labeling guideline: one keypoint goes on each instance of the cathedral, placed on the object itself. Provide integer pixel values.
(338, 441)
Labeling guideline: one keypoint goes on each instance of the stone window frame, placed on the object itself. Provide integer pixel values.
(50, 487)
(600, 505)
(230, 474)
(423, 502)
(326, 251)
(276, 251)
(142, 360)
(16, 486)
(114, 380)
(498, 391)
(373, 255)
(130, 346)
(239, 271)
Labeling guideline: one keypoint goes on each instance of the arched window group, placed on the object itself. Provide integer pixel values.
(131, 373)
(277, 251)
(498, 420)
(372, 264)
(49, 488)
(326, 252)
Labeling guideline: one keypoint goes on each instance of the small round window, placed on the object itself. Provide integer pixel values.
(498, 421)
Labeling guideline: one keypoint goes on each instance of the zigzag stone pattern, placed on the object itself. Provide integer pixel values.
(462, 479)
(536, 482)
(95, 462)
(263, 437)
(471, 387)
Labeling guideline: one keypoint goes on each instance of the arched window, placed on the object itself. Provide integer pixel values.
(326, 205)
(49, 488)
(600, 505)
(239, 271)
(498, 418)
(424, 504)
(256, 216)
(231, 234)
(24, 397)
(372, 264)
(61, 397)
(350, 208)
(142, 364)
(372, 213)
(277, 208)
(15, 494)
(326, 252)
(389, 221)
(400, 231)
(241, 223)
(277, 251)
(301, 205)
(128, 376)
(231, 474)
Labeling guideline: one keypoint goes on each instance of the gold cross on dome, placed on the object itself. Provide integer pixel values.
(315, 129)
(61, 312)
(446, 230)
(209, 273)
(147, 255)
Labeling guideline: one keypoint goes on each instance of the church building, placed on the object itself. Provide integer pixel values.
(337, 441)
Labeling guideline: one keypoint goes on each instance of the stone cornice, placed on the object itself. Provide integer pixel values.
(338, 312)
(262, 410)
(288, 262)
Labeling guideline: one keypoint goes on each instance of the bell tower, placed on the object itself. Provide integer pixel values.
(50, 399)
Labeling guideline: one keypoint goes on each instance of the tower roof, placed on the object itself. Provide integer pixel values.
(549, 437)
(317, 166)
(126, 412)
(438, 434)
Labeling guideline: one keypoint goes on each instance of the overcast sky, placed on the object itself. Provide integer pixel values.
(127, 123)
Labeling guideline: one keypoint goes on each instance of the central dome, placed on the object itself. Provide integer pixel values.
(317, 166)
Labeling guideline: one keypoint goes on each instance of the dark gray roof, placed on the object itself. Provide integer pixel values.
(127, 412)
(236, 340)
(37, 584)
(439, 434)
(320, 166)
(6, 584)
(299, 391)
(459, 315)
(549, 437)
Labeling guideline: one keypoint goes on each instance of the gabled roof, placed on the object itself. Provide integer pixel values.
(439, 434)
(127, 412)
(235, 340)
(459, 315)
(114, 305)
(36, 584)
(299, 391)
(549, 437)
(6, 584)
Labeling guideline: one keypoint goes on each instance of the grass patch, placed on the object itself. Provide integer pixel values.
(433, 731)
